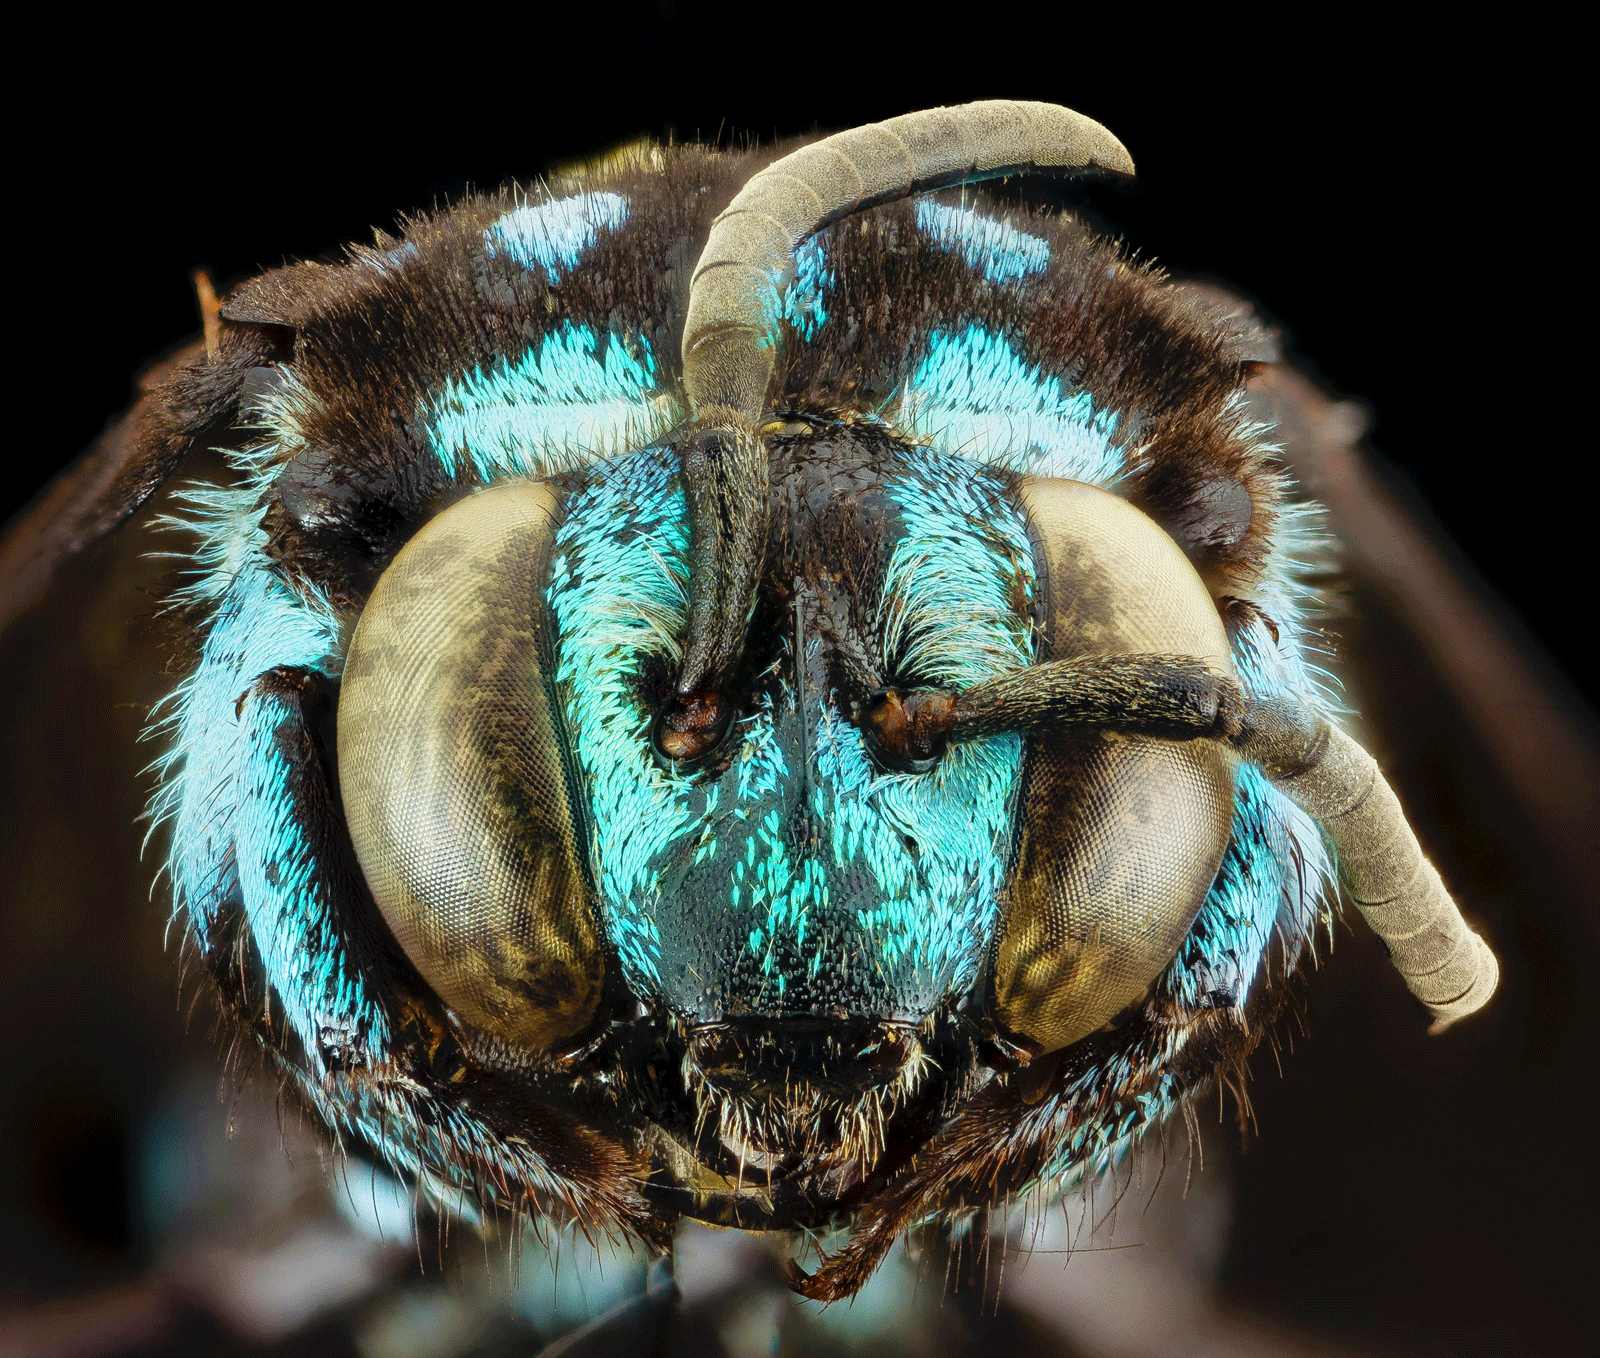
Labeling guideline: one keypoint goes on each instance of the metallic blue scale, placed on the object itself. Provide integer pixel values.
(234, 840)
(553, 236)
(803, 304)
(619, 599)
(973, 394)
(801, 879)
(573, 397)
(936, 846)
(950, 620)
(1284, 589)
(1269, 885)
(259, 624)
(1003, 253)
(224, 784)
(297, 936)
(1278, 871)
(953, 577)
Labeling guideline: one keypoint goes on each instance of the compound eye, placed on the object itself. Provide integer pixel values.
(451, 769)
(1121, 835)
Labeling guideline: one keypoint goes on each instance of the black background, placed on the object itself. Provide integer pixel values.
(1391, 196)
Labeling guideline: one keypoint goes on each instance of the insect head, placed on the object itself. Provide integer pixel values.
(858, 772)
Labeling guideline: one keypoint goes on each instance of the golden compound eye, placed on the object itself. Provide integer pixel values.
(452, 776)
(1121, 835)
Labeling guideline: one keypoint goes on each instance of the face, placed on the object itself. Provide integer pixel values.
(777, 882)
(823, 943)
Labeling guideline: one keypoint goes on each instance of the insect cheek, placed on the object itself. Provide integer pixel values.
(1121, 834)
(452, 774)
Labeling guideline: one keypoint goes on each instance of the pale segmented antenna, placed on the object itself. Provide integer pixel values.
(1398, 891)
(728, 338)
